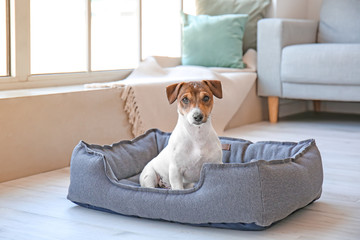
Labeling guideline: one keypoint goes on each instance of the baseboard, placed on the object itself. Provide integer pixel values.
(289, 107)
(340, 107)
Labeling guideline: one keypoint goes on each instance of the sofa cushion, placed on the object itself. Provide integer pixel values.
(339, 21)
(335, 64)
(321, 92)
(213, 41)
(256, 10)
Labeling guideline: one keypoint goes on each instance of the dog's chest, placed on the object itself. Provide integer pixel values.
(194, 155)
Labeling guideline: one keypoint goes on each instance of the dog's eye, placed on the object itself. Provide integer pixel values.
(185, 100)
(206, 98)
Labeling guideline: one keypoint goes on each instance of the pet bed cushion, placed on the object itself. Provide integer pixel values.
(258, 184)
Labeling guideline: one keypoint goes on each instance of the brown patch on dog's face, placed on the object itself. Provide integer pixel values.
(196, 99)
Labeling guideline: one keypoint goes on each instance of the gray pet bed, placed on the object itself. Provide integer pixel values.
(259, 184)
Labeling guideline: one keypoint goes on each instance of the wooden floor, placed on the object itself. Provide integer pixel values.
(36, 207)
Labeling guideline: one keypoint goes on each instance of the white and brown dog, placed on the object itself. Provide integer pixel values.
(193, 141)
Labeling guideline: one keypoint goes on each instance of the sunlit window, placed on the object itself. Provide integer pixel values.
(161, 28)
(58, 36)
(3, 36)
(114, 34)
(60, 42)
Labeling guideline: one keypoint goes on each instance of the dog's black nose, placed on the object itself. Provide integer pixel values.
(198, 117)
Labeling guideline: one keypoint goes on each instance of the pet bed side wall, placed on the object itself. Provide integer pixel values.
(291, 184)
(238, 187)
(128, 158)
(86, 184)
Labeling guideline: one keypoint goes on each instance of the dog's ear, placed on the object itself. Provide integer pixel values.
(215, 87)
(172, 91)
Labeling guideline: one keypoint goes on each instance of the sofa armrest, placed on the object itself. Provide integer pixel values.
(273, 35)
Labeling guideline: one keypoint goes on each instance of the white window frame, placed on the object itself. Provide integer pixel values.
(7, 39)
(20, 76)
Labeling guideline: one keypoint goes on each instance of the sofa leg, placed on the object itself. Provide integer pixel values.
(317, 105)
(273, 105)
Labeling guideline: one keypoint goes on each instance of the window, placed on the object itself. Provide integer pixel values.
(114, 34)
(3, 39)
(61, 42)
(58, 36)
(161, 35)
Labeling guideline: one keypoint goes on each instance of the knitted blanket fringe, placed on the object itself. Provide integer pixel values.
(132, 110)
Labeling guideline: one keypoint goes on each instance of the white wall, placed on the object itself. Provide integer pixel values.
(300, 9)
(313, 9)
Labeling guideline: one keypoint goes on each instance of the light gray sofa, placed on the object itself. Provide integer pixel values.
(304, 59)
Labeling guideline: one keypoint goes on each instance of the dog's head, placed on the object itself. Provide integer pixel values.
(195, 99)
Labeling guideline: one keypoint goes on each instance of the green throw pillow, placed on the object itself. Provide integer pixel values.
(256, 10)
(213, 41)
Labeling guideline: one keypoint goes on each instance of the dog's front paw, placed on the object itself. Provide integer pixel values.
(163, 184)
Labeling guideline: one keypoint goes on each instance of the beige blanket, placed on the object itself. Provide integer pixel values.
(145, 97)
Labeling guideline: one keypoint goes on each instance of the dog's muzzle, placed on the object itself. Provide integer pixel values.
(198, 117)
